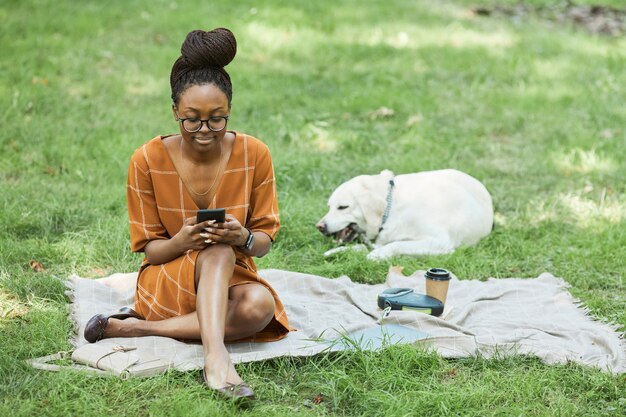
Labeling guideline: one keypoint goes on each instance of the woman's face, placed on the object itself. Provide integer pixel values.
(203, 102)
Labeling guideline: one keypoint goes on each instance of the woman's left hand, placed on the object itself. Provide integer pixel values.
(230, 232)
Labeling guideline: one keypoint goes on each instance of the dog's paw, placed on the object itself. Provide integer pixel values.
(379, 255)
(331, 252)
(335, 251)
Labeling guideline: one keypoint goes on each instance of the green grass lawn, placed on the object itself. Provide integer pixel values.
(532, 108)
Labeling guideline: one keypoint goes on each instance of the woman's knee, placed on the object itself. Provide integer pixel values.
(216, 253)
(217, 258)
(257, 304)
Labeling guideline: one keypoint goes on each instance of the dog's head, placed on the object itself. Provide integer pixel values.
(356, 208)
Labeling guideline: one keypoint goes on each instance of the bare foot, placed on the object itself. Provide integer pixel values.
(219, 370)
(122, 328)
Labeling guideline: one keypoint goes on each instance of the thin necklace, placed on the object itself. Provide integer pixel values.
(220, 168)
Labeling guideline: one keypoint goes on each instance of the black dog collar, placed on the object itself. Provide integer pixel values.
(392, 184)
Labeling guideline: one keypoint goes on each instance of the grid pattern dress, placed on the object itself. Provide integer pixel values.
(158, 203)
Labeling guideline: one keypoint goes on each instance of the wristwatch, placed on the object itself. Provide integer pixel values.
(250, 241)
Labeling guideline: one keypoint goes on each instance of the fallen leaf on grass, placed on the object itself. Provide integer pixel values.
(414, 119)
(36, 266)
(160, 38)
(395, 269)
(607, 134)
(315, 401)
(39, 80)
(381, 112)
(98, 272)
(11, 307)
(52, 171)
(452, 373)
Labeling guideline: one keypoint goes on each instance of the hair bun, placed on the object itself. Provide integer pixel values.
(212, 49)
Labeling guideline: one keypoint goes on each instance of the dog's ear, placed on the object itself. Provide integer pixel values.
(387, 174)
(370, 196)
(374, 182)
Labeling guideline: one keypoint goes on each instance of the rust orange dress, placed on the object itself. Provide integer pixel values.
(158, 203)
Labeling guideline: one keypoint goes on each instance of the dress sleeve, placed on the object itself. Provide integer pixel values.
(143, 216)
(263, 213)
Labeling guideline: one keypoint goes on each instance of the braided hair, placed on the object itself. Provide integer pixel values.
(203, 58)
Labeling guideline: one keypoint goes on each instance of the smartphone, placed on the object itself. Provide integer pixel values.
(219, 215)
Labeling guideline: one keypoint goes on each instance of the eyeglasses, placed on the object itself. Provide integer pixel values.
(193, 125)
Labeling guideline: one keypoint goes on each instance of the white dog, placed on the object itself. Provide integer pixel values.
(425, 213)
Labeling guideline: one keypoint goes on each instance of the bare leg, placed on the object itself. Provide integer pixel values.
(214, 268)
(217, 317)
(250, 309)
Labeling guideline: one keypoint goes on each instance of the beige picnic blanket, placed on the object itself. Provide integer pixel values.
(495, 317)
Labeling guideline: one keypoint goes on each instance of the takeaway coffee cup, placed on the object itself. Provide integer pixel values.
(437, 282)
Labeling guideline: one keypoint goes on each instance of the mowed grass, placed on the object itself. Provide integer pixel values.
(533, 109)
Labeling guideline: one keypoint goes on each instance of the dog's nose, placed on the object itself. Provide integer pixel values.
(321, 226)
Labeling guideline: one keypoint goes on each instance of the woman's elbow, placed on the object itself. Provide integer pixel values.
(264, 250)
(151, 254)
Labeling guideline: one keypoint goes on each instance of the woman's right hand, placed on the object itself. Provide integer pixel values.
(188, 237)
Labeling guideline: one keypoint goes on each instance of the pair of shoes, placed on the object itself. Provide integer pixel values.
(238, 392)
(94, 330)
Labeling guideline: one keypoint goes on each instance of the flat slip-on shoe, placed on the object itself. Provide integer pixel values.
(94, 330)
(238, 392)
